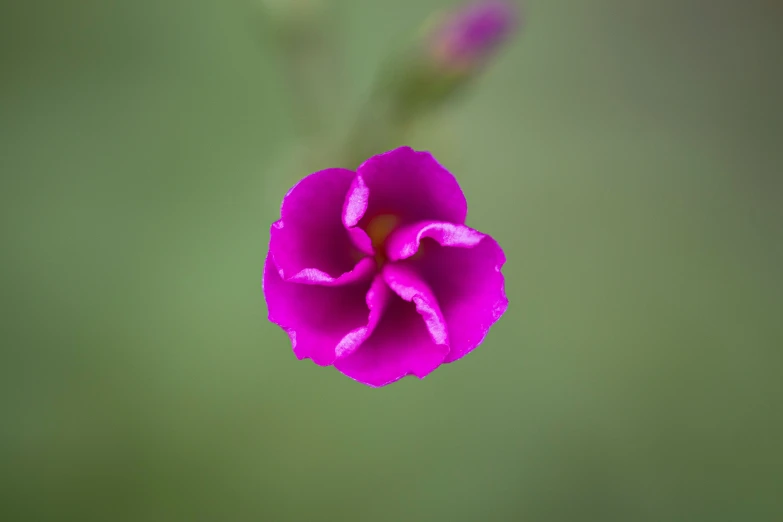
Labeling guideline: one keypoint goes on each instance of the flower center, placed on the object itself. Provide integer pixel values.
(379, 229)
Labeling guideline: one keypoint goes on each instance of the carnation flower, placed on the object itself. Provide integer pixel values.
(375, 273)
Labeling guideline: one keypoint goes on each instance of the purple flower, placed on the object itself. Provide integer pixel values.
(375, 273)
(471, 34)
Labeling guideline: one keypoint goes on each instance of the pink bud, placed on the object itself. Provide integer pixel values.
(469, 35)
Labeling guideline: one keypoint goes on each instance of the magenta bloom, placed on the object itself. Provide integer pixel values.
(375, 273)
(471, 34)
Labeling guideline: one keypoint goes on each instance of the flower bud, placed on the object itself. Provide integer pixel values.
(468, 36)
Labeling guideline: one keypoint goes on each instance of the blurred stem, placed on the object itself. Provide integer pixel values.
(309, 61)
(376, 129)
(382, 121)
(301, 79)
(409, 89)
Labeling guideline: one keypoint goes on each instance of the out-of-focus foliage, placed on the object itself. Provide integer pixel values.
(625, 154)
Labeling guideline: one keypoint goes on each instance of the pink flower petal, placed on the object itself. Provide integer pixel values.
(405, 183)
(377, 299)
(309, 243)
(323, 322)
(405, 241)
(410, 339)
(462, 266)
(406, 283)
(399, 346)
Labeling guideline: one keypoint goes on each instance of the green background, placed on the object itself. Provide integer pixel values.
(624, 153)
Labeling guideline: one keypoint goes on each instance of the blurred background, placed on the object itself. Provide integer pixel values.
(626, 155)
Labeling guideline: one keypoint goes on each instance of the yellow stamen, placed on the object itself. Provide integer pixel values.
(379, 229)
